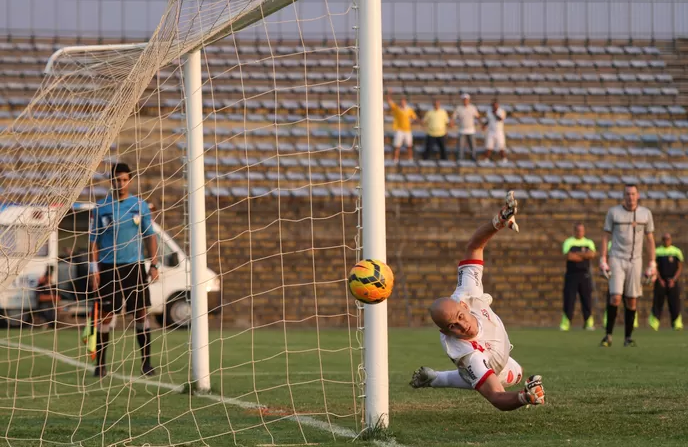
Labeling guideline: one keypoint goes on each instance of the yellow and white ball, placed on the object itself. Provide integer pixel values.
(371, 281)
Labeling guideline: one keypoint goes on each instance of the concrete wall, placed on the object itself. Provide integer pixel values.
(524, 272)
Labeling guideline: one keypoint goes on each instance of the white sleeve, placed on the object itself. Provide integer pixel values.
(470, 281)
(650, 228)
(473, 368)
(609, 221)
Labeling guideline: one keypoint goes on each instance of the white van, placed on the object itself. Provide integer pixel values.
(170, 294)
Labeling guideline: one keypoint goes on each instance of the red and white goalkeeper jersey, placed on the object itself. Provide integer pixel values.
(488, 352)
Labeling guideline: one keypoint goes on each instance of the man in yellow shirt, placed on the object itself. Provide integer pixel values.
(403, 117)
(435, 122)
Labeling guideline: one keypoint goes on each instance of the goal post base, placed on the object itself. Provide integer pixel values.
(194, 389)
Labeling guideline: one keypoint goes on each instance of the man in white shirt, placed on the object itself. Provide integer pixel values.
(495, 131)
(474, 337)
(629, 225)
(465, 116)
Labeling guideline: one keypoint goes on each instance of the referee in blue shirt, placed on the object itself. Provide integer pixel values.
(120, 227)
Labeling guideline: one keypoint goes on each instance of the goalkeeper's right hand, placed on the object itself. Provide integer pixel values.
(506, 217)
(533, 393)
(605, 270)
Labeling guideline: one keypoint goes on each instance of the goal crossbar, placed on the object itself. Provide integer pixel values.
(265, 9)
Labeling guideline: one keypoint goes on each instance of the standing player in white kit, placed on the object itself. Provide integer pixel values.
(474, 337)
(629, 224)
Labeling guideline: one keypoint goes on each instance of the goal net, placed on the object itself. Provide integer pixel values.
(281, 187)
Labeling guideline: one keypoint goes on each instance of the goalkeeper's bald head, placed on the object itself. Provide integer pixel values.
(454, 318)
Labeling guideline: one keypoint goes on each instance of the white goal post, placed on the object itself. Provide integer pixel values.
(373, 195)
(193, 99)
(372, 188)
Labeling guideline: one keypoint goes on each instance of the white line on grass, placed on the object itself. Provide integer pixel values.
(295, 373)
(305, 420)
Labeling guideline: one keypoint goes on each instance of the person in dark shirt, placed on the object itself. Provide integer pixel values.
(579, 250)
(78, 273)
(669, 265)
(47, 296)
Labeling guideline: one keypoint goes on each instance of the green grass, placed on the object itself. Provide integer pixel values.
(606, 397)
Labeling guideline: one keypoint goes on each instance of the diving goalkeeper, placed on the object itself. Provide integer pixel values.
(474, 337)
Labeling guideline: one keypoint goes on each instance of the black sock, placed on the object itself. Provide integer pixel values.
(143, 337)
(611, 318)
(102, 340)
(629, 318)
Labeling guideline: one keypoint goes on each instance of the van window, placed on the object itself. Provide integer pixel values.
(44, 250)
(19, 242)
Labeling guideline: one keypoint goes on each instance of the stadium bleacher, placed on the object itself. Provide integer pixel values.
(581, 118)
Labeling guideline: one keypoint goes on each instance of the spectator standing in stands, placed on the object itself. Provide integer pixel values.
(404, 116)
(578, 250)
(120, 226)
(435, 122)
(629, 224)
(669, 266)
(465, 115)
(495, 131)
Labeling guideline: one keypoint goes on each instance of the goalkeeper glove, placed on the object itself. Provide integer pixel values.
(651, 273)
(506, 217)
(604, 269)
(533, 393)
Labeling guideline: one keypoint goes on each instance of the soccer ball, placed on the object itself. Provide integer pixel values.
(371, 281)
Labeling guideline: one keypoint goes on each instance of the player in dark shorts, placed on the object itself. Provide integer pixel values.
(121, 226)
(667, 286)
(578, 250)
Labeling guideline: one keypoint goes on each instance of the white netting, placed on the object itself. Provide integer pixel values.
(106, 91)
(280, 120)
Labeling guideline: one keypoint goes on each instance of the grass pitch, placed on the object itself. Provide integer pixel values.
(607, 397)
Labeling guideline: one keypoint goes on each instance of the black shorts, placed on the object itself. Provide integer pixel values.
(123, 287)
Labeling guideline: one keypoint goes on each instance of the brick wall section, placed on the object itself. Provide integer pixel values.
(425, 238)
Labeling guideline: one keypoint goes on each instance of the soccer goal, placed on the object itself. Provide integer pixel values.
(254, 131)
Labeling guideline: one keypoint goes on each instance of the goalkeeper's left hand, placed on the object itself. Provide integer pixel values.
(506, 217)
(533, 393)
(650, 274)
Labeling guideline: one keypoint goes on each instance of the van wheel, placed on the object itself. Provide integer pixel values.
(177, 312)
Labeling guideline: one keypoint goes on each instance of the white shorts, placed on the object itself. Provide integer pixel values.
(495, 139)
(511, 375)
(626, 277)
(402, 138)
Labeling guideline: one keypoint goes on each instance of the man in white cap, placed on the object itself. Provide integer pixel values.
(465, 116)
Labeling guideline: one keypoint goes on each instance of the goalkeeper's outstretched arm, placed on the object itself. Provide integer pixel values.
(532, 394)
(504, 218)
